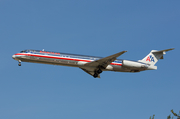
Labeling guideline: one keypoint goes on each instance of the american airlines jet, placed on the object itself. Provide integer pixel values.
(90, 64)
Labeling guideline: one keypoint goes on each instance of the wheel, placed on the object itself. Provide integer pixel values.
(95, 75)
(99, 71)
(19, 64)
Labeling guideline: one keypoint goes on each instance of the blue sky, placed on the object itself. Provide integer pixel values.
(97, 28)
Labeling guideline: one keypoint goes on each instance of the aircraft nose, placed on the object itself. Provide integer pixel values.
(13, 56)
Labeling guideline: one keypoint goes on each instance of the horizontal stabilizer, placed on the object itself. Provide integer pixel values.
(163, 50)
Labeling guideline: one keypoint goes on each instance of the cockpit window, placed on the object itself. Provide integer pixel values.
(23, 51)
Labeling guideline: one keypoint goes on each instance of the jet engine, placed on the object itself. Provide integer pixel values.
(132, 64)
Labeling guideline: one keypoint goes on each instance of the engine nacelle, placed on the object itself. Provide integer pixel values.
(132, 64)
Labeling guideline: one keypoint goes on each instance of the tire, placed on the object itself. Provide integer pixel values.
(99, 71)
(95, 75)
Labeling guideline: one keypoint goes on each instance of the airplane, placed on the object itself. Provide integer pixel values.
(90, 64)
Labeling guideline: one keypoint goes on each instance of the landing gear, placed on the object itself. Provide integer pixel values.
(97, 72)
(95, 75)
(19, 63)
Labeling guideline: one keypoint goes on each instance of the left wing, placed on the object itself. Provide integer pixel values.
(90, 72)
(104, 62)
(98, 65)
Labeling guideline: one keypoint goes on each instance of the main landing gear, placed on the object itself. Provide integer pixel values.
(97, 72)
(19, 63)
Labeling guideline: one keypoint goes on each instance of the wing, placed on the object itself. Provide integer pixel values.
(104, 62)
(90, 72)
(100, 64)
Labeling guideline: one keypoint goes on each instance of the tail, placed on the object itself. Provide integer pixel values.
(152, 58)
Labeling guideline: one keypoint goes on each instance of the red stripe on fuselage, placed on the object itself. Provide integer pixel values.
(57, 57)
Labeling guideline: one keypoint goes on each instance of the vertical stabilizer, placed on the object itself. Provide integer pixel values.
(152, 58)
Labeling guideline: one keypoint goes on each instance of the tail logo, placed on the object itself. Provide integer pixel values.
(150, 58)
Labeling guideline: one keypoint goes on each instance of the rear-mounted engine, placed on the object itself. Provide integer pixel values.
(133, 64)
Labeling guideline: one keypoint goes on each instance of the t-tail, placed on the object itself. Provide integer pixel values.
(152, 58)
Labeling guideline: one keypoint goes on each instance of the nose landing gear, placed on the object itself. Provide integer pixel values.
(19, 63)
